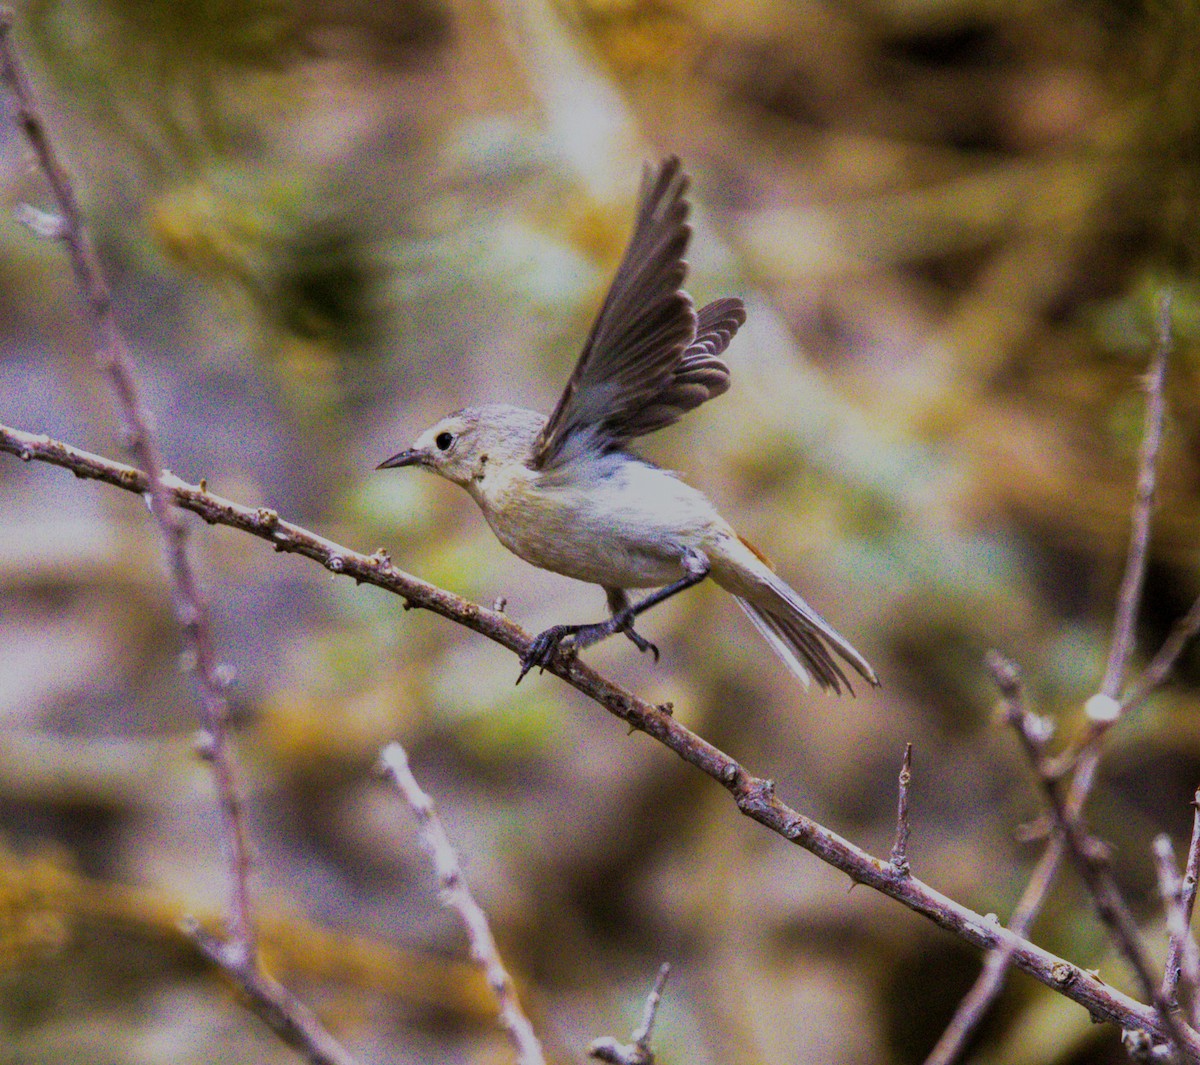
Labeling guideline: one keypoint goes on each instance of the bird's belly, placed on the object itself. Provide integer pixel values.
(588, 550)
(613, 521)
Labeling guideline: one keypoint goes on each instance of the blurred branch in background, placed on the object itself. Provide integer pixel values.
(113, 359)
(236, 952)
(1090, 856)
(456, 894)
(1181, 972)
(1182, 940)
(637, 1050)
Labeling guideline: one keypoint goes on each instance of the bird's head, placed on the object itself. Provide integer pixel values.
(462, 446)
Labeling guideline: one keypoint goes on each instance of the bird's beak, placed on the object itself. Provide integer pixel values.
(411, 457)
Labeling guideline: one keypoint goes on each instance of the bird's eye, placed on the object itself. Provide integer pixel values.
(443, 441)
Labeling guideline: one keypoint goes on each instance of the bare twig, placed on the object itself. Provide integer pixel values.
(990, 981)
(987, 987)
(637, 1051)
(1187, 903)
(899, 855)
(286, 1015)
(1182, 954)
(1130, 596)
(755, 796)
(1088, 854)
(112, 356)
(642, 1036)
(1156, 673)
(457, 895)
(1104, 708)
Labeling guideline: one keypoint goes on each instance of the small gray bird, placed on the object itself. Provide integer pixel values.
(565, 494)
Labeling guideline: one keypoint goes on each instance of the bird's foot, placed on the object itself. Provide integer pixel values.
(554, 640)
(545, 646)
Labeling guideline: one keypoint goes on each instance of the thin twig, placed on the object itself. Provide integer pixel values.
(1182, 633)
(637, 1051)
(1182, 954)
(754, 796)
(457, 895)
(976, 1003)
(1130, 596)
(1088, 854)
(1187, 903)
(642, 1036)
(990, 982)
(899, 855)
(285, 1014)
(112, 356)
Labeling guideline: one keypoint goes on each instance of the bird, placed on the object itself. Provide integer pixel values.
(567, 494)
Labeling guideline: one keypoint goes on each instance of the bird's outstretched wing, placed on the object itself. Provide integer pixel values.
(649, 358)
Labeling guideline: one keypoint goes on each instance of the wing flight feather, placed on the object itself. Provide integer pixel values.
(650, 357)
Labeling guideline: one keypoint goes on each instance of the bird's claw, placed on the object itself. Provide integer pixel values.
(640, 641)
(544, 646)
(622, 621)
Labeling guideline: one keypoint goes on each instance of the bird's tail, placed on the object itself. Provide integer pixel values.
(795, 631)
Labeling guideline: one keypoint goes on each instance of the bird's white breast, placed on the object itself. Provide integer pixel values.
(607, 519)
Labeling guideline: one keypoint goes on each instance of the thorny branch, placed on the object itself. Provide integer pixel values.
(237, 954)
(457, 895)
(754, 796)
(988, 985)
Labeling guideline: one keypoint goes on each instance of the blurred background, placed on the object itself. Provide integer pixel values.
(328, 223)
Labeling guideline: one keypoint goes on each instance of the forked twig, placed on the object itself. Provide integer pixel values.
(1088, 854)
(285, 1014)
(1181, 946)
(988, 985)
(1179, 941)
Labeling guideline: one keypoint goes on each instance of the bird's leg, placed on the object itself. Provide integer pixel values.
(618, 603)
(545, 644)
(696, 567)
